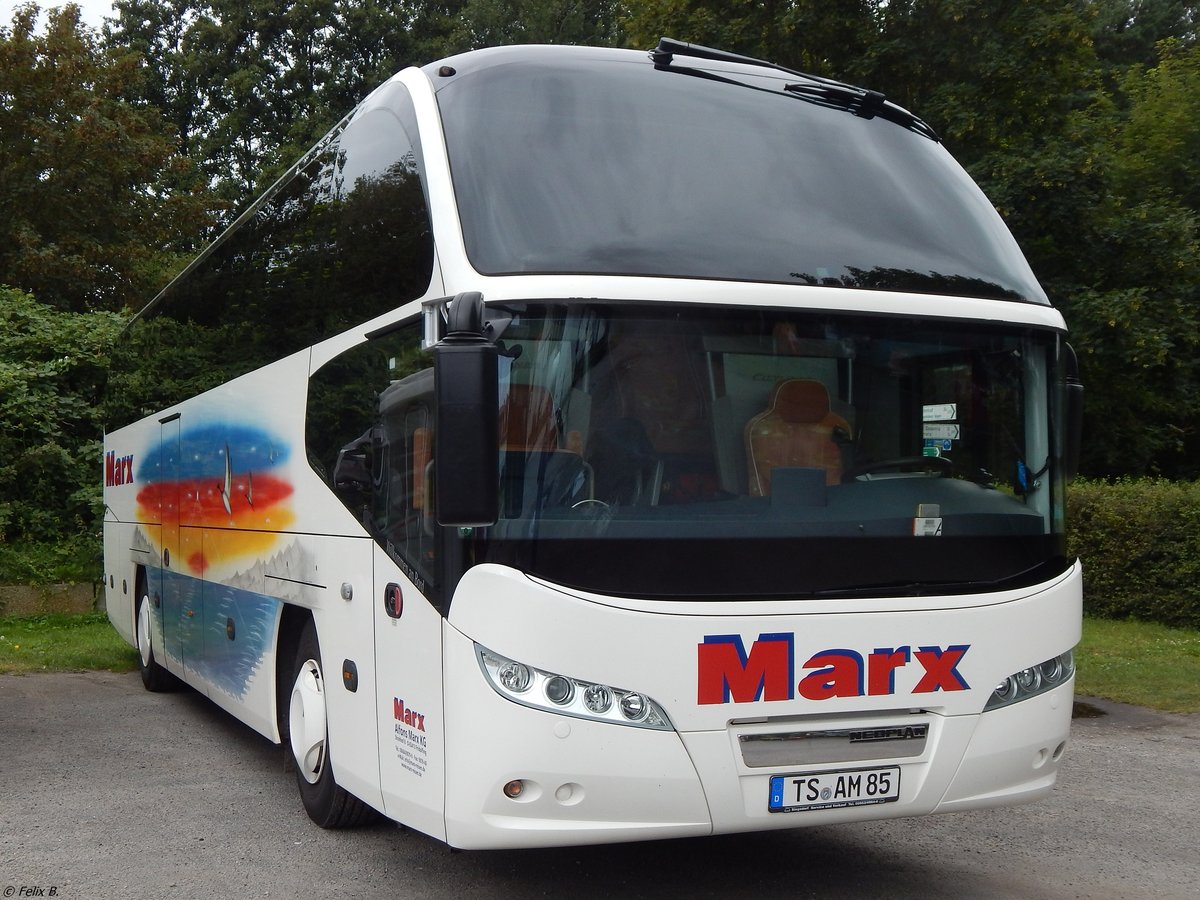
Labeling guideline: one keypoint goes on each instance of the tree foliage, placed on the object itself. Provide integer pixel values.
(1129, 280)
(492, 23)
(52, 372)
(251, 84)
(1127, 32)
(87, 219)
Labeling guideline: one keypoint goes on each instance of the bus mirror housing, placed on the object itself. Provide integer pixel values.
(466, 447)
(1074, 423)
(352, 471)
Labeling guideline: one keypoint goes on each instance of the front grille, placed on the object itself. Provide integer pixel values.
(802, 748)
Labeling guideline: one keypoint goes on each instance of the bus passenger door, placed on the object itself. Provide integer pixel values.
(408, 627)
(168, 586)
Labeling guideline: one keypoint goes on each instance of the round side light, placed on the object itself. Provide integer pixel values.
(514, 677)
(634, 707)
(597, 698)
(1006, 690)
(559, 690)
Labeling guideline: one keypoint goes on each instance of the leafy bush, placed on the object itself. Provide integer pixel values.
(1139, 540)
(75, 559)
(52, 372)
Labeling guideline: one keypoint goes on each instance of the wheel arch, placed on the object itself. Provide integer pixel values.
(291, 624)
(140, 578)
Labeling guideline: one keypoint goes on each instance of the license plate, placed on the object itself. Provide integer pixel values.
(833, 790)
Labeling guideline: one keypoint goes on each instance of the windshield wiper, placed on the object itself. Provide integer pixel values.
(815, 88)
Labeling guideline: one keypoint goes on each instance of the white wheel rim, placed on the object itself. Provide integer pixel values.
(306, 721)
(143, 631)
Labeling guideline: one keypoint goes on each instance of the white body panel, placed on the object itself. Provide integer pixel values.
(410, 708)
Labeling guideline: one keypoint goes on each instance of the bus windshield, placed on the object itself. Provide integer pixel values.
(740, 453)
(736, 179)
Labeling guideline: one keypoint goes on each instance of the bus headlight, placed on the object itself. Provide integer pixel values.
(633, 707)
(569, 696)
(1032, 681)
(515, 677)
(560, 690)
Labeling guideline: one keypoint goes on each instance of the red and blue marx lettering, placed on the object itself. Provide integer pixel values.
(727, 673)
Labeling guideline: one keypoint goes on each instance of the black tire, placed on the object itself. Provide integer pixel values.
(325, 801)
(154, 677)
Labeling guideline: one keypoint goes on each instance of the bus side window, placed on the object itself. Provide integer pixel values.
(370, 425)
(408, 526)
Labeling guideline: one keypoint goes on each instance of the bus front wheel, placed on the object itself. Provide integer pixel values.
(326, 803)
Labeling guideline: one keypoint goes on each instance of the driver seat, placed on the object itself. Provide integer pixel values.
(796, 430)
(536, 473)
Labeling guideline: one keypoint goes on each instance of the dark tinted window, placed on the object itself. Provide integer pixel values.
(369, 433)
(576, 161)
(345, 238)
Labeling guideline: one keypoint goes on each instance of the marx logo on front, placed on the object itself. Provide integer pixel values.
(727, 673)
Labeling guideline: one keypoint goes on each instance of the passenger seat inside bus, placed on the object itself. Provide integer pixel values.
(796, 430)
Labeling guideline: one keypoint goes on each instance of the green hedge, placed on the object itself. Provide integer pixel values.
(76, 559)
(1139, 540)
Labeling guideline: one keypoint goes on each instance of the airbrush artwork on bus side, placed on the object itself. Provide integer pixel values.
(226, 486)
(226, 478)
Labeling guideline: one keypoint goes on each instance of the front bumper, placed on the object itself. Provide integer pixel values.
(588, 782)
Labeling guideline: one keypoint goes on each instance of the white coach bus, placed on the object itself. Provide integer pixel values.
(587, 445)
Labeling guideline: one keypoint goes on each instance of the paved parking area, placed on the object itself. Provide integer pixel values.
(107, 791)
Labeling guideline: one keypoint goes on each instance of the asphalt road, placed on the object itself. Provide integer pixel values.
(107, 791)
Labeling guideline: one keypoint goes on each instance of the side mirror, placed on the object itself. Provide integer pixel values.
(1074, 423)
(352, 471)
(466, 452)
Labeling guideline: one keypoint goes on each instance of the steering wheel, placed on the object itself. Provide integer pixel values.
(942, 465)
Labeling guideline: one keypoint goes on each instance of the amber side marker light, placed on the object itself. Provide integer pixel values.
(514, 789)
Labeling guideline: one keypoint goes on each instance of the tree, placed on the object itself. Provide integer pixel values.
(250, 85)
(1126, 32)
(88, 219)
(1135, 300)
(1158, 148)
(999, 78)
(491, 23)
